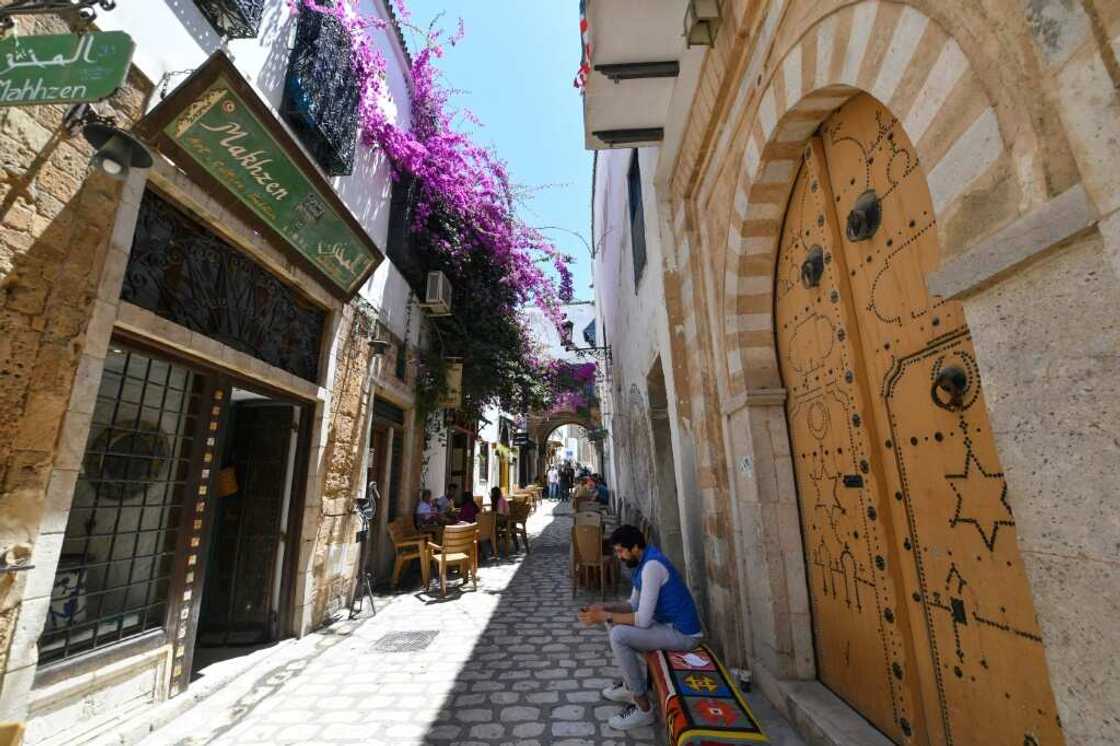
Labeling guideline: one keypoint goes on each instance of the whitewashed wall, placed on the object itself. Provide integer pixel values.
(635, 322)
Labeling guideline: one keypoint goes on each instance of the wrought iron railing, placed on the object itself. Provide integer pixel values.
(321, 94)
(233, 19)
(181, 271)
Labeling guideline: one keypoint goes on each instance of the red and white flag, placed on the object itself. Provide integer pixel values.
(585, 44)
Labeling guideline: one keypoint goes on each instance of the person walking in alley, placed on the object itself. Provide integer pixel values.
(553, 482)
(567, 476)
(660, 615)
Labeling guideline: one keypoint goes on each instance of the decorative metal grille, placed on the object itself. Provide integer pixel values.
(119, 549)
(405, 642)
(233, 19)
(181, 271)
(321, 94)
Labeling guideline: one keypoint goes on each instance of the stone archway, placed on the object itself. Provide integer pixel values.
(920, 72)
(541, 426)
(920, 78)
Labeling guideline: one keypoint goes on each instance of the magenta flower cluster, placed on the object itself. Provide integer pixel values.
(568, 386)
(452, 174)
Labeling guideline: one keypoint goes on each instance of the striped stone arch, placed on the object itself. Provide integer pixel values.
(893, 52)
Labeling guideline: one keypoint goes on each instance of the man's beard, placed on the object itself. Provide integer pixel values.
(631, 563)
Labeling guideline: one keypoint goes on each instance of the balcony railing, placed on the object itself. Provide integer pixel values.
(233, 19)
(320, 94)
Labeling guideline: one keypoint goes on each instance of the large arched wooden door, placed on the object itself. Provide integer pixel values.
(922, 614)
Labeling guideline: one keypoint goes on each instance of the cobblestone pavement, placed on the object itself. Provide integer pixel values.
(508, 664)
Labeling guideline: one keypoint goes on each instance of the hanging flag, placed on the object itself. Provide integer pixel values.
(585, 45)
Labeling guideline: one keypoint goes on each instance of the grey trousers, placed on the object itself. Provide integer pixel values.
(629, 642)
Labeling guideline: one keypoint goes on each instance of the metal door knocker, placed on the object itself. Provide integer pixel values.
(953, 381)
(865, 217)
(812, 268)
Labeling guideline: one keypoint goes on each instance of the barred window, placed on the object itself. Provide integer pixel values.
(321, 92)
(119, 549)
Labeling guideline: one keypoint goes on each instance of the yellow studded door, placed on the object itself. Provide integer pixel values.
(956, 615)
(861, 653)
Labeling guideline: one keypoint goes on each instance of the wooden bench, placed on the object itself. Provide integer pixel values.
(700, 702)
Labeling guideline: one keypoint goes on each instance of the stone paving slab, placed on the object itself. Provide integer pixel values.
(509, 664)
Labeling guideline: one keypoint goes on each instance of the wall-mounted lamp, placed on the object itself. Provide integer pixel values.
(702, 20)
(117, 152)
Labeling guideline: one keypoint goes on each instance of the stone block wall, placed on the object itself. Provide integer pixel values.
(1014, 108)
(55, 227)
(335, 557)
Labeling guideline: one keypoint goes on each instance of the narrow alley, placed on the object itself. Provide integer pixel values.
(508, 664)
(798, 315)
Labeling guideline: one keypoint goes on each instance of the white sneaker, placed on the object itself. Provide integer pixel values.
(632, 717)
(617, 692)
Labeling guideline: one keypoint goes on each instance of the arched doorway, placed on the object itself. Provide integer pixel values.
(922, 615)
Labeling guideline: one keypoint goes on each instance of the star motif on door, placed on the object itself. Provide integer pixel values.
(981, 499)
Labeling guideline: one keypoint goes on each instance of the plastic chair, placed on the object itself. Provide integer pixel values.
(408, 545)
(587, 555)
(459, 549)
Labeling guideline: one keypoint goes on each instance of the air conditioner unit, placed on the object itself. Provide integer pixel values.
(437, 296)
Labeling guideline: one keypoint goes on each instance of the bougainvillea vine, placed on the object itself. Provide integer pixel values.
(462, 208)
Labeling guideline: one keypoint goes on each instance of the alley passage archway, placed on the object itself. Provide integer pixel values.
(542, 427)
(922, 614)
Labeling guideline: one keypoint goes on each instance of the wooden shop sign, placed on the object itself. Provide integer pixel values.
(215, 126)
(63, 68)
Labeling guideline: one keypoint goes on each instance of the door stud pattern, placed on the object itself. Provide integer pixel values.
(860, 639)
(976, 650)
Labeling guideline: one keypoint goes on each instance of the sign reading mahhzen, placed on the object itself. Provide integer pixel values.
(223, 135)
(63, 68)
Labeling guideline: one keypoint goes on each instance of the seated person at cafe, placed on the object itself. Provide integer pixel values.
(468, 510)
(425, 511)
(444, 503)
(498, 503)
(602, 494)
(660, 615)
(583, 491)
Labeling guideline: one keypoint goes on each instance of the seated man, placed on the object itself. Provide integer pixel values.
(425, 510)
(660, 615)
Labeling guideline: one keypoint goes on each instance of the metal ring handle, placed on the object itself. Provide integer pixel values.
(953, 380)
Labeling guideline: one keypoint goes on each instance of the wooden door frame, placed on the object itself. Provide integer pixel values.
(217, 378)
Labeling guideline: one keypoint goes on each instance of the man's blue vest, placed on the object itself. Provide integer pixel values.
(674, 603)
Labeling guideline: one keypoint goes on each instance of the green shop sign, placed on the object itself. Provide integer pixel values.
(220, 125)
(63, 68)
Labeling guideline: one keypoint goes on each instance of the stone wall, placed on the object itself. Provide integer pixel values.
(1013, 108)
(55, 226)
(335, 557)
